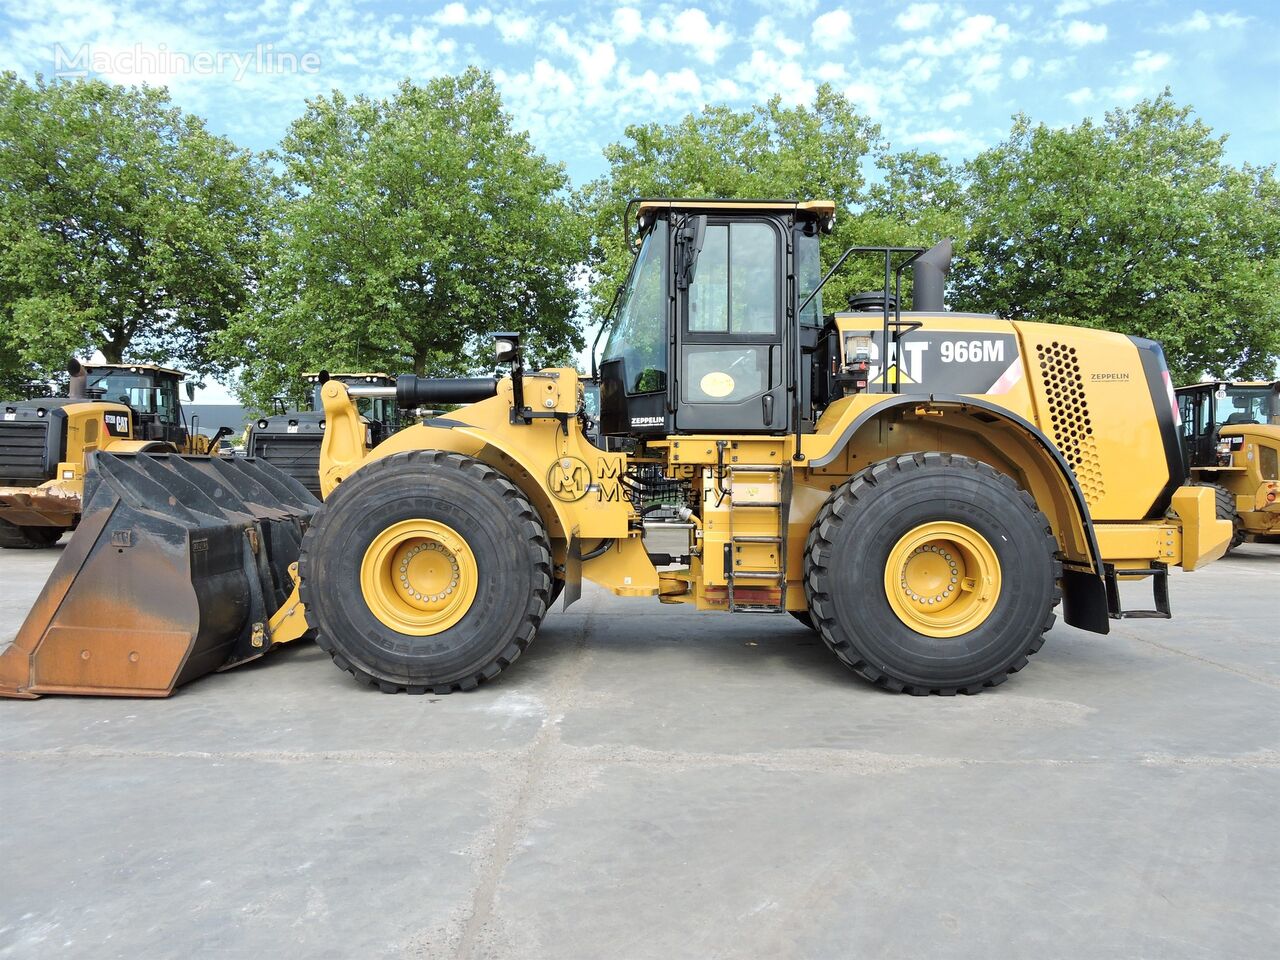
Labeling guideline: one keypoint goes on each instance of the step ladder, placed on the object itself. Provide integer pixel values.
(755, 560)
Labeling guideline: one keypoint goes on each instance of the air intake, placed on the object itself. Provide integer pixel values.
(1069, 416)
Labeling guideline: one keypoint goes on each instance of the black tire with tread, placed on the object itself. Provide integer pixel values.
(1224, 502)
(28, 538)
(848, 546)
(500, 526)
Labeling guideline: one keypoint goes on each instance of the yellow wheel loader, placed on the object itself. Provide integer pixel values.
(45, 443)
(1231, 432)
(923, 488)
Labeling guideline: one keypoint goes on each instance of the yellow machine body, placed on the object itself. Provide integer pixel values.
(1096, 486)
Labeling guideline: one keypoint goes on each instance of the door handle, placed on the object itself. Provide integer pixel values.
(767, 402)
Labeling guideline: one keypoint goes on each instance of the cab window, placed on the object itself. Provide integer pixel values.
(639, 334)
(733, 287)
(1244, 405)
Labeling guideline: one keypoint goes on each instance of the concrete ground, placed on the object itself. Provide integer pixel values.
(650, 782)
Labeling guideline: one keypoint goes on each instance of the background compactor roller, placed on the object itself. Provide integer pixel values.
(920, 487)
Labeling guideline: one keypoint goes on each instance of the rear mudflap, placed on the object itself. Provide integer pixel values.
(174, 571)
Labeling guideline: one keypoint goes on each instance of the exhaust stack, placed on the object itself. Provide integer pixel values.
(76, 390)
(929, 278)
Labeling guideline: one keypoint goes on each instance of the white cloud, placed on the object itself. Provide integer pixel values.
(978, 29)
(691, 28)
(457, 15)
(628, 25)
(939, 136)
(766, 75)
(864, 95)
(1080, 33)
(1146, 61)
(833, 30)
(1077, 97)
(514, 28)
(1020, 68)
(959, 98)
(768, 33)
(918, 16)
(1200, 22)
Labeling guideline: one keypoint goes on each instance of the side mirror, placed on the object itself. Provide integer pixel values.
(689, 241)
(191, 392)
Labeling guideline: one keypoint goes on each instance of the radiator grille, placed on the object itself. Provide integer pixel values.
(1069, 416)
(22, 446)
(298, 455)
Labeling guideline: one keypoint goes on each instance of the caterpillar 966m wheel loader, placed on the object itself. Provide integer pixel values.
(291, 440)
(921, 487)
(45, 443)
(1232, 437)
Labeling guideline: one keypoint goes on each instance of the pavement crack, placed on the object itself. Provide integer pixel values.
(1228, 668)
(513, 820)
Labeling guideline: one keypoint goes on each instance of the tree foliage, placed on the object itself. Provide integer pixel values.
(1136, 224)
(125, 226)
(407, 230)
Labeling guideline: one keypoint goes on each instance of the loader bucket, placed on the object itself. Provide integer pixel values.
(174, 571)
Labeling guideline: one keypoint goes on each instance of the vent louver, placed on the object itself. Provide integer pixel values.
(1069, 416)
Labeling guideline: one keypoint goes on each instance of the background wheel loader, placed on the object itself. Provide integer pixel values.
(1231, 432)
(291, 440)
(45, 442)
(923, 487)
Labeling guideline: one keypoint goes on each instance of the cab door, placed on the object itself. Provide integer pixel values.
(732, 357)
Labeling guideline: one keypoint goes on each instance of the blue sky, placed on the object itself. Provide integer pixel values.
(940, 76)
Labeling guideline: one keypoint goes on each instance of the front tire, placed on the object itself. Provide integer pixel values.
(425, 571)
(932, 573)
(13, 537)
(1224, 502)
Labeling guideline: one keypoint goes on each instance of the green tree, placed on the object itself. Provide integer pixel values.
(918, 200)
(125, 225)
(768, 151)
(409, 229)
(1136, 224)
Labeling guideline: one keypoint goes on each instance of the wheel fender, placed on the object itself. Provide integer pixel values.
(1084, 594)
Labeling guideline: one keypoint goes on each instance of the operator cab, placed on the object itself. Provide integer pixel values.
(1207, 407)
(703, 337)
(151, 392)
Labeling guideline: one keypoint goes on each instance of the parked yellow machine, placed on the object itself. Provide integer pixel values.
(1231, 432)
(45, 443)
(921, 487)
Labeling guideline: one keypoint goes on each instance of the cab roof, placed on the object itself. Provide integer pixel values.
(349, 376)
(820, 209)
(1230, 384)
(137, 368)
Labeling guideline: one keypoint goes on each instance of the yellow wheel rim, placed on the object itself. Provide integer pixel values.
(942, 579)
(419, 577)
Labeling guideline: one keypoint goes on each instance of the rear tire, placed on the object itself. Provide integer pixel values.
(492, 535)
(997, 581)
(28, 538)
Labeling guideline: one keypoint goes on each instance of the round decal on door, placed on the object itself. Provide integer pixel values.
(717, 384)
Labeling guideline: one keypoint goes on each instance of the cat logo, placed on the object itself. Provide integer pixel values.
(894, 375)
(569, 479)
